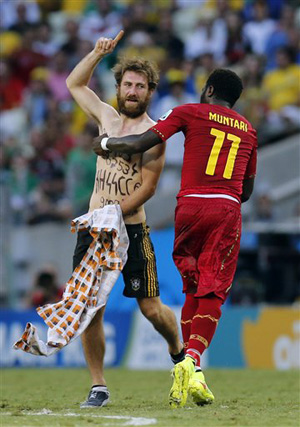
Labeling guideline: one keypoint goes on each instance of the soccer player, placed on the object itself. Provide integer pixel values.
(218, 173)
(129, 180)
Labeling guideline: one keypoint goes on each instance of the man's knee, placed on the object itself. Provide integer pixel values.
(151, 308)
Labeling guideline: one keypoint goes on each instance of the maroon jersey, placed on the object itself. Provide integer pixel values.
(220, 148)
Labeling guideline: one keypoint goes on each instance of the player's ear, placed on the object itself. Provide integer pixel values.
(210, 91)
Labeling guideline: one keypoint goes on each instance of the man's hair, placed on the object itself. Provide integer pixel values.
(138, 65)
(227, 85)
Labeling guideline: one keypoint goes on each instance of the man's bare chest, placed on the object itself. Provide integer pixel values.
(118, 175)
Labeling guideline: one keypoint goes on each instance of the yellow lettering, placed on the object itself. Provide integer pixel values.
(231, 121)
(236, 124)
(242, 125)
(212, 116)
(246, 127)
(226, 120)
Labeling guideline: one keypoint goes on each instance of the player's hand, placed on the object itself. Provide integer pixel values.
(96, 145)
(105, 46)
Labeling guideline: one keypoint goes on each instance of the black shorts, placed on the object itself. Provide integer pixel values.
(139, 273)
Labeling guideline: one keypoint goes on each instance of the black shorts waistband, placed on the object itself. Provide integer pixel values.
(136, 227)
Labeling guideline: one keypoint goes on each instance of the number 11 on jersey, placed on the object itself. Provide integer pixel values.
(215, 151)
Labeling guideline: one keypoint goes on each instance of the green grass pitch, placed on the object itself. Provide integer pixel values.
(51, 397)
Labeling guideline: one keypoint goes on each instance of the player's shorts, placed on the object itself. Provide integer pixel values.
(139, 272)
(207, 243)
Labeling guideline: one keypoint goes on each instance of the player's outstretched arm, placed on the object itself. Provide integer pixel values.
(78, 80)
(130, 144)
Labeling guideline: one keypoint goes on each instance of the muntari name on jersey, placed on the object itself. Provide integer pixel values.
(229, 121)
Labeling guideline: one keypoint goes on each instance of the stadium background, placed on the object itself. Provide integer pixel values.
(47, 168)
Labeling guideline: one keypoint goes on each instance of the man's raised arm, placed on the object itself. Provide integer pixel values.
(78, 80)
(130, 144)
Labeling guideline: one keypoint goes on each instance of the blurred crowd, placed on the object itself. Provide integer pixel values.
(47, 166)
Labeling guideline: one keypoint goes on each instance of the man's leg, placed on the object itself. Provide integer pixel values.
(204, 325)
(183, 374)
(187, 314)
(201, 316)
(163, 320)
(203, 328)
(93, 342)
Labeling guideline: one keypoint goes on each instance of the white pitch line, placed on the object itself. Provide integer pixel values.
(128, 421)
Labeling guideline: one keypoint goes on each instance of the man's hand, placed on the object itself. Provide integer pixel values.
(105, 46)
(96, 145)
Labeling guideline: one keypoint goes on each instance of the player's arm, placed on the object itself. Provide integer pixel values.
(172, 122)
(130, 144)
(78, 81)
(248, 182)
(248, 185)
(152, 165)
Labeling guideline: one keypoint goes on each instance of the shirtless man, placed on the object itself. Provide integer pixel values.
(129, 181)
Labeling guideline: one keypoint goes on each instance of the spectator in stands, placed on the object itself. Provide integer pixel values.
(25, 59)
(71, 44)
(210, 36)
(137, 17)
(165, 37)
(264, 208)
(57, 77)
(141, 44)
(44, 43)
(12, 113)
(257, 31)
(11, 88)
(45, 159)
(81, 168)
(252, 103)
(22, 18)
(36, 99)
(58, 136)
(22, 183)
(284, 30)
(102, 20)
(282, 83)
(46, 289)
(204, 66)
(48, 202)
(283, 93)
(235, 47)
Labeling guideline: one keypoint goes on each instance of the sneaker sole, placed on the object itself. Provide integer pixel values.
(179, 391)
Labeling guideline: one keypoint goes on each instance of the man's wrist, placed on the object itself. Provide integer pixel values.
(104, 144)
(95, 56)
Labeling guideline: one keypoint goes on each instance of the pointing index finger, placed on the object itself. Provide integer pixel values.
(119, 36)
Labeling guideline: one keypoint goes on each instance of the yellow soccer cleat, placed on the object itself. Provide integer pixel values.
(182, 372)
(198, 389)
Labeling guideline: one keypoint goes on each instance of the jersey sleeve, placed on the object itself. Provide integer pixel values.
(251, 167)
(170, 123)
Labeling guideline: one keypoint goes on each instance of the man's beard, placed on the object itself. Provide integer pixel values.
(134, 110)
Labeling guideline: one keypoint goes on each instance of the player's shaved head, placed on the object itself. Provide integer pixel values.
(227, 85)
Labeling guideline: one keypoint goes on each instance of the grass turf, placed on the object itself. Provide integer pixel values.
(243, 398)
